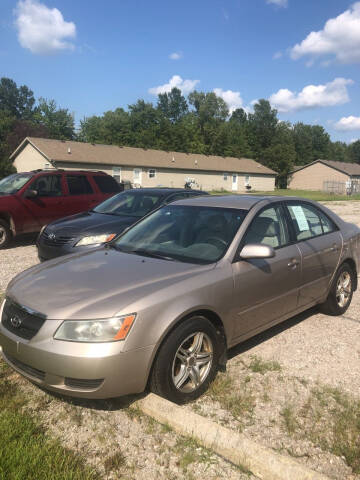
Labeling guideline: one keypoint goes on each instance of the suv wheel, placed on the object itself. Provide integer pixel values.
(5, 234)
(341, 292)
(187, 361)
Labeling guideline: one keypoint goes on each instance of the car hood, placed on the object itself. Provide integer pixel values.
(90, 223)
(95, 284)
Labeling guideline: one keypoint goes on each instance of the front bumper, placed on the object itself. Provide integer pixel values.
(77, 369)
(47, 252)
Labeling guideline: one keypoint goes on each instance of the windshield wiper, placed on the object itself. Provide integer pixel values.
(146, 253)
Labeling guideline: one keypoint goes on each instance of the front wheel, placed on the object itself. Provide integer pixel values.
(5, 234)
(341, 292)
(187, 361)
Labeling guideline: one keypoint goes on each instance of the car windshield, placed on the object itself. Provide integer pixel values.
(185, 233)
(134, 204)
(13, 183)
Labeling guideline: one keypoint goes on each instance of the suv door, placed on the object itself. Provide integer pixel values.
(266, 290)
(45, 207)
(320, 243)
(80, 197)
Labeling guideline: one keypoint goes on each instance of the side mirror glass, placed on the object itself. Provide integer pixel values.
(31, 193)
(256, 250)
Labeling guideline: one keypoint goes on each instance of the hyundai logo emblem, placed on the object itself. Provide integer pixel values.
(16, 322)
(52, 236)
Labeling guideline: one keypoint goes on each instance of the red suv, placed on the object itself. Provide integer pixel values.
(30, 200)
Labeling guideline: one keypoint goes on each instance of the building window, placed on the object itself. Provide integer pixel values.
(226, 176)
(152, 173)
(116, 173)
(247, 179)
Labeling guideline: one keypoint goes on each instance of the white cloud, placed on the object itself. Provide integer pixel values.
(312, 96)
(232, 99)
(186, 86)
(353, 140)
(348, 123)
(41, 29)
(340, 38)
(175, 55)
(277, 55)
(279, 3)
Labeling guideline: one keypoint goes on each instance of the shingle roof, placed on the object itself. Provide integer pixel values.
(352, 169)
(89, 153)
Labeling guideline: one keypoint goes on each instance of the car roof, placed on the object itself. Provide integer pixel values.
(242, 202)
(165, 190)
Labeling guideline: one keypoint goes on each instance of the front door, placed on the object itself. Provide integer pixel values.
(320, 243)
(45, 207)
(137, 176)
(234, 182)
(266, 290)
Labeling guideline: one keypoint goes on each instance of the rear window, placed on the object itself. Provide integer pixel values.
(106, 184)
(78, 185)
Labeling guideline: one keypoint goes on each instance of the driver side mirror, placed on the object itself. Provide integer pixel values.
(256, 250)
(31, 193)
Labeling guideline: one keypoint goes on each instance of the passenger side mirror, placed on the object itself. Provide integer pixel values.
(256, 250)
(31, 193)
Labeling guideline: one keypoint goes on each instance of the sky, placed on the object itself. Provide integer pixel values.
(91, 56)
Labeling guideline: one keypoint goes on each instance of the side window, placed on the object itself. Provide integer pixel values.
(269, 228)
(106, 184)
(308, 222)
(177, 196)
(78, 185)
(47, 186)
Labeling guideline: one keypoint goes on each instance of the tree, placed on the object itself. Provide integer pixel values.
(355, 151)
(173, 105)
(262, 126)
(208, 107)
(17, 101)
(58, 121)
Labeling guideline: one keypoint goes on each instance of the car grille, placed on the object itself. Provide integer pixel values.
(26, 369)
(54, 240)
(82, 384)
(19, 321)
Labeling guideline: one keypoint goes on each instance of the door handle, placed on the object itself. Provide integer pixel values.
(334, 248)
(293, 263)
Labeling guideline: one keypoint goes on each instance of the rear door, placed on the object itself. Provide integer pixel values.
(47, 205)
(266, 289)
(320, 243)
(80, 194)
(106, 185)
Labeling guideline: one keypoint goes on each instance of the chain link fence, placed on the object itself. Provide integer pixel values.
(350, 187)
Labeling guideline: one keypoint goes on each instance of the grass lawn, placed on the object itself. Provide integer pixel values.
(318, 196)
(26, 451)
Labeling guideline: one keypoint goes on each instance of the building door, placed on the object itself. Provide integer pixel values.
(234, 182)
(137, 176)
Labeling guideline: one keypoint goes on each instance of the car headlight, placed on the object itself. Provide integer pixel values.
(95, 239)
(89, 331)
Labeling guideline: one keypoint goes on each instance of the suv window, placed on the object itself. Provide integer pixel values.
(47, 186)
(269, 228)
(308, 221)
(106, 184)
(78, 185)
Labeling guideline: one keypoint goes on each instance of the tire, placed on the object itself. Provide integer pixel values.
(341, 292)
(181, 360)
(5, 234)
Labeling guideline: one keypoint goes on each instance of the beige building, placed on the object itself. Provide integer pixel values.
(145, 168)
(326, 175)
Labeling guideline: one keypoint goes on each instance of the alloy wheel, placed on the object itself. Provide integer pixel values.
(343, 289)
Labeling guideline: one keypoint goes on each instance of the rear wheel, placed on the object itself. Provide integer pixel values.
(341, 292)
(5, 234)
(187, 361)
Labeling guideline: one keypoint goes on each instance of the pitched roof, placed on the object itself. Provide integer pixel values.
(352, 169)
(90, 153)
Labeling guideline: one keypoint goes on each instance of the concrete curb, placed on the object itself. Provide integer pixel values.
(261, 461)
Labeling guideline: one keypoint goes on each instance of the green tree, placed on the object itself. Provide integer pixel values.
(58, 121)
(355, 151)
(262, 127)
(17, 101)
(173, 105)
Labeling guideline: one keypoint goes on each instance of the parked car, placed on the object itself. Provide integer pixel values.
(104, 222)
(33, 199)
(162, 303)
